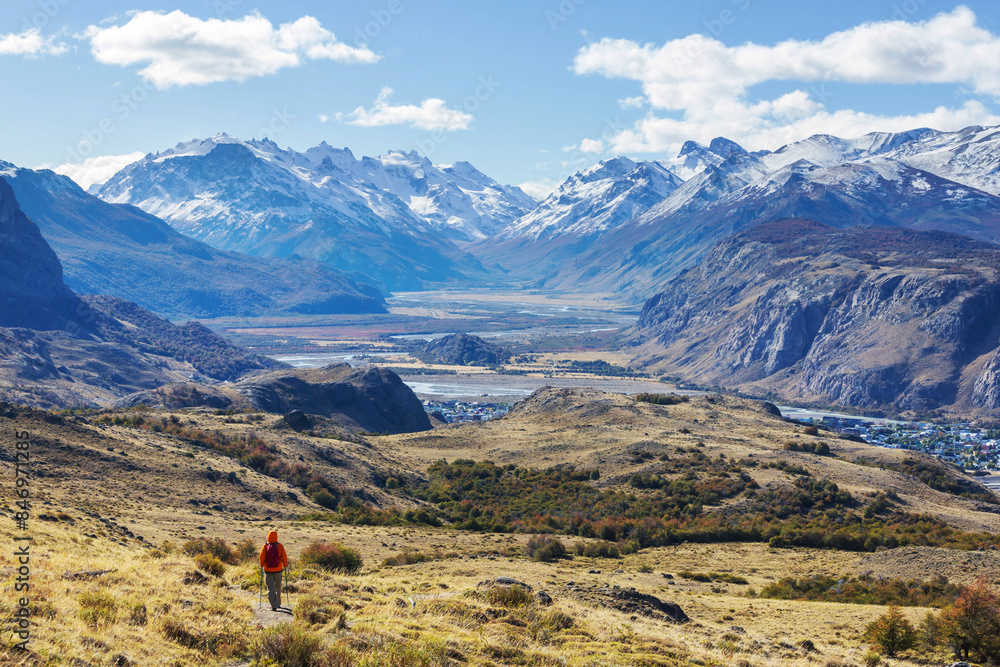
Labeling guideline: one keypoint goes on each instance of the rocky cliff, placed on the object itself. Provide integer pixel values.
(367, 399)
(463, 350)
(875, 317)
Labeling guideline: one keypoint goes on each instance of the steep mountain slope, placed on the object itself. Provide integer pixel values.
(57, 349)
(388, 217)
(872, 317)
(919, 179)
(122, 251)
(585, 207)
(743, 190)
(32, 292)
(458, 200)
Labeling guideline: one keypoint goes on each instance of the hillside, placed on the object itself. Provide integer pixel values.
(122, 251)
(60, 350)
(877, 318)
(111, 478)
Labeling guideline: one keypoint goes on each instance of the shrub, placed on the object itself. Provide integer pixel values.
(872, 659)
(290, 645)
(98, 608)
(217, 547)
(596, 549)
(210, 564)
(509, 596)
(545, 548)
(891, 632)
(246, 550)
(972, 624)
(331, 556)
(313, 609)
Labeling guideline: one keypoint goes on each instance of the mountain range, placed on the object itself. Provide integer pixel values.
(122, 251)
(922, 179)
(394, 218)
(621, 225)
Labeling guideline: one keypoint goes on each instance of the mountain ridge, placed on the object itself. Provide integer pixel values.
(120, 250)
(866, 317)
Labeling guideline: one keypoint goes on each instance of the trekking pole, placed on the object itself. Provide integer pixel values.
(288, 598)
(260, 599)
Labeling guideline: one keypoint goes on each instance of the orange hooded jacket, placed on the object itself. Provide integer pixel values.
(272, 538)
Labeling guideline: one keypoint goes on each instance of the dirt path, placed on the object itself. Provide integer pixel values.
(262, 613)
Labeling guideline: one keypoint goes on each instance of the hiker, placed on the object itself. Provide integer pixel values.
(273, 560)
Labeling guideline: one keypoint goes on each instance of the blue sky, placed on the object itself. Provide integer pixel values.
(527, 91)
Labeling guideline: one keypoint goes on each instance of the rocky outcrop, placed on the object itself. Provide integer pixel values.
(463, 350)
(369, 399)
(862, 317)
(32, 292)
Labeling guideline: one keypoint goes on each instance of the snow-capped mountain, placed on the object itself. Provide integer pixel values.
(124, 252)
(390, 217)
(597, 199)
(585, 207)
(921, 179)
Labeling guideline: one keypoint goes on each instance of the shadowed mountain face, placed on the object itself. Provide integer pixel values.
(32, 292)
(59, 350)
(122, 251)
(369, 399)
(373, 400)
(864, 317)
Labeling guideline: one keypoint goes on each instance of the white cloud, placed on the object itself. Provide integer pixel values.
(704, 84)
(632, 102)
(323, 118)
(569, 148)
(539, 189)
(591, 146)
(432, 114)
(181, 50)
(31, 44)
(95, 169)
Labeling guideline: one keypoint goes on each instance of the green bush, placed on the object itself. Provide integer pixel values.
(891, 633)
(545, 548)
(331, 556)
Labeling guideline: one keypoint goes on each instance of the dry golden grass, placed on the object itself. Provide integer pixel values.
(425, 613)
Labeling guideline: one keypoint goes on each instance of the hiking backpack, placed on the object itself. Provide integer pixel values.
(272, 555)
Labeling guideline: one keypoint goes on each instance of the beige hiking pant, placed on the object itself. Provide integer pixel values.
(273, 580)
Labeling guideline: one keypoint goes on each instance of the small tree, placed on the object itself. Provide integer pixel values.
(891, 632)
(972, 624)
